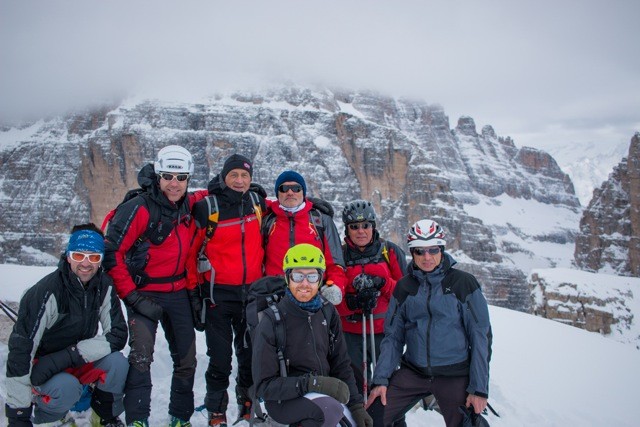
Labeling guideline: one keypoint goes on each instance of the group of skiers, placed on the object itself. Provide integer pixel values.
(187, 260)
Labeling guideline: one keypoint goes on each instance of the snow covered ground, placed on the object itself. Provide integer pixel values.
(542, 372)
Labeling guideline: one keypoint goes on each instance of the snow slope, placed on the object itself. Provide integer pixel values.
(542, 372)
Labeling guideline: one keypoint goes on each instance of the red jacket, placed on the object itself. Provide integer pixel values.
(166, 259)
(235, 249)
(374, 262)
(290, 229)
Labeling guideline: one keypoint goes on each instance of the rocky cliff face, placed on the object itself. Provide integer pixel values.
(609, 238)
(400, 154)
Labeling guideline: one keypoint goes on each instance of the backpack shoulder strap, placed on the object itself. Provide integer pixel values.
(154, 220)
(267, 226)
(327, 312)
(385, 251)
(280, 336)
(255, 201)
(316, 221)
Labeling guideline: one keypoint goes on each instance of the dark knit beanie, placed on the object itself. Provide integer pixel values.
(236, 161)
(287, 176)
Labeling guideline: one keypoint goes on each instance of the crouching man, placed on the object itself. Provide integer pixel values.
(307, 379)
(55, 347)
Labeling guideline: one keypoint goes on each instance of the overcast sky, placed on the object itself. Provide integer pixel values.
(543, 72)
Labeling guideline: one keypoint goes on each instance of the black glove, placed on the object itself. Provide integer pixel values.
(378, 282)
(360, 415)
(18, 417)
(367, 281)
(54, 363)
(328, 385)
(368, 299)
(352, 302)
(196, 308)
(143, 305)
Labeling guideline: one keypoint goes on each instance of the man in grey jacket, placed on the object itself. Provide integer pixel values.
(55, 347)
(439, 317)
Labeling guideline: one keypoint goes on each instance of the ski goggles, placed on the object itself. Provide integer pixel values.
(170, 177)
(360, 225)
(299, 277)
(93, 258)
(432, 250)
(296, 188)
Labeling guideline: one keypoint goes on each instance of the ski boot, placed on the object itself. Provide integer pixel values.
(244, 412)
(177, 422)
(96, 421)
(139, 423)
(217, 419)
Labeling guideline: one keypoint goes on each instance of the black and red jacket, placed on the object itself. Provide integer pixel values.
(380, 258)
(157, 261)
(235, 249)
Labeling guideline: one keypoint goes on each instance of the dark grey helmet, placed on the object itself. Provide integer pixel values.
(358, 211)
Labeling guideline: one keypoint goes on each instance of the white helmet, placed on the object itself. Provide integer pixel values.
(425, 233)
(174, 158)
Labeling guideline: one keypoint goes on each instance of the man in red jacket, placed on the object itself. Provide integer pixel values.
(374, 265)
(148, 270)
(231, 251)
(296, 219)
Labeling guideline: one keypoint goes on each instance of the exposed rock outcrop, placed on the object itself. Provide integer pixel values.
(609, 238)
(400, 154)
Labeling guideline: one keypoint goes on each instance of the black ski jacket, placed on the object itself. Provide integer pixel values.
(309, 349)
(58, 312)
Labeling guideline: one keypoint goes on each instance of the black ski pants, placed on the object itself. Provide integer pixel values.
(407, 387)
(177, 323)
(225, 327)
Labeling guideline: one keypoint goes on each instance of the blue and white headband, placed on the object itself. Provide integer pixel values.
(86, 241)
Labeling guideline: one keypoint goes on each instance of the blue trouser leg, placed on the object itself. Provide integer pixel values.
(107, 396)
(55, 397)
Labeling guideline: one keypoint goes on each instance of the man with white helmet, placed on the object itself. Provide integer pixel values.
(146, 247)
(437, 329)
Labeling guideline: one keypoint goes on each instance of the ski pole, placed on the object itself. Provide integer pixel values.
(10, 312)
(373, 344)
(364, 356)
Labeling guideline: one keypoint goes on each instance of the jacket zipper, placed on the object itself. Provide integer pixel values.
(315, 351)
(430, 290)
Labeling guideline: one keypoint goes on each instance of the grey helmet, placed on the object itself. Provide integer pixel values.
(358, 211)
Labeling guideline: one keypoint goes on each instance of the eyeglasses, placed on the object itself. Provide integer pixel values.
(434, 250)
(358, 225)
(299, 277)
(296, 188)
(94, 258)
(170, 177)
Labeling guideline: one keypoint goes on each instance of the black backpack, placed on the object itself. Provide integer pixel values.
(156, 233)
(262, 299)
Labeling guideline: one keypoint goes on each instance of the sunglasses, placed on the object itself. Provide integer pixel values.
(299, 277)
(170, 177)
(296, 188)
(94, 258)
(422, 251)
(360, 225)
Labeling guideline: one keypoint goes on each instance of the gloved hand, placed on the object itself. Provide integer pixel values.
(196, 308)
(378, 282)
(54, 363)
(368, 299)
(143, 305)
(360, 415)
(330, 386)
(331, 293)
(18, 417)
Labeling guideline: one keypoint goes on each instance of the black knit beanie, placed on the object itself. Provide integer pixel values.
(236, 161)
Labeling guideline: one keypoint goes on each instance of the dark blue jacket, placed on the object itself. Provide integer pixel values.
(443, 319)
